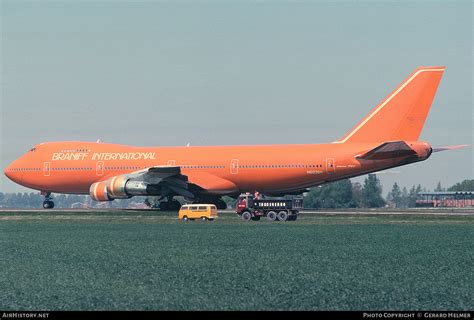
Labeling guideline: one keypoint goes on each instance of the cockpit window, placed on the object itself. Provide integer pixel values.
(33, 149)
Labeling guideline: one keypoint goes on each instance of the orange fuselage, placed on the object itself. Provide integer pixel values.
(72, 167)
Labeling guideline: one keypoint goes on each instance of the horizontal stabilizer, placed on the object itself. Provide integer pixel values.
(388, 150)
(449, 148)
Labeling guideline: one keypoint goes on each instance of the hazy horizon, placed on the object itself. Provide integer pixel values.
(208, 73)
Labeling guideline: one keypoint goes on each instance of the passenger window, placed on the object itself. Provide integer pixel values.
(202, 208)
(193, 208)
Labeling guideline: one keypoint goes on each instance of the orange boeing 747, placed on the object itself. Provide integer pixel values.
(387, 137)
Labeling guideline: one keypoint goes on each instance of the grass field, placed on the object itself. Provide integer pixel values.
(149, 261)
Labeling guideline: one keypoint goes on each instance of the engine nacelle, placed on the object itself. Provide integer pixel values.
(98, 191)
(118, 187)
(137, 188)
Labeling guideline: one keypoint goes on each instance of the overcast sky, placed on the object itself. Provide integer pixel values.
(159, 73)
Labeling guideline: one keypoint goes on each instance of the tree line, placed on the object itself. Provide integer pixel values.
(345, 194)
(34, 200)
(339, 194)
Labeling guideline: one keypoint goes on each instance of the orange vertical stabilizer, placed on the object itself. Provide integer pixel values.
(401, 115)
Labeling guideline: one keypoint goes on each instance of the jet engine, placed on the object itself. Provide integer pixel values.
(118, 187)
(98, 191)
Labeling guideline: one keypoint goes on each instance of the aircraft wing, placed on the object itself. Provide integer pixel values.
(170, 180)
(164, 180)
(388, 150)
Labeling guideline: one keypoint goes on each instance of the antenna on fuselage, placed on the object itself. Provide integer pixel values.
(188, 144)
(98, 141)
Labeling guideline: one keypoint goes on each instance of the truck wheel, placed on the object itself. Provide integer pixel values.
(282, 215)
(185, 218)
(246, 216)
(271, 215)
(203, 218)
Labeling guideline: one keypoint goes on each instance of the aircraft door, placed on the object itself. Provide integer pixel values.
(47, 169)
(234, 166)
(330, 165)
(99, 168)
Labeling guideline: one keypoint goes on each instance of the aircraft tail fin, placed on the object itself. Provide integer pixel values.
(402, 114)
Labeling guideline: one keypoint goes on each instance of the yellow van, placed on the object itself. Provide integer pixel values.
(197, 211)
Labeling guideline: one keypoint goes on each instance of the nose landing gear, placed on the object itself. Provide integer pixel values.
(48, 200)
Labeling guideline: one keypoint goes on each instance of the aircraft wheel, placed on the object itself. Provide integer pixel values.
(282, 215)
(220, 204)
(246, 216)
(271, 215)
(164, 206)
(174, 205)
(48, 204)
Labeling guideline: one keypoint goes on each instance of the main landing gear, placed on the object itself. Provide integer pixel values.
(48, 200)
(170, 205)
(220, 204)
(173, 205)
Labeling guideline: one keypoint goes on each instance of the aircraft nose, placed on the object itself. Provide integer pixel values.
(10, 172)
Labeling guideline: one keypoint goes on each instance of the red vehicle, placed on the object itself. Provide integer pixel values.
(282, 209)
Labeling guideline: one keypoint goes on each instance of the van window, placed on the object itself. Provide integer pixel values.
(193, 208)
(213, 207)
(202, 208)
(184, 207)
